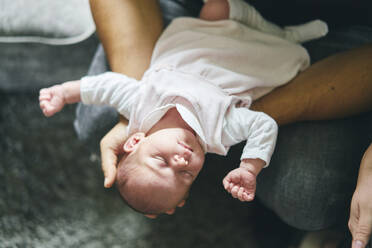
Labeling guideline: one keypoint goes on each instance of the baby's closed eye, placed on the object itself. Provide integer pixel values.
(186, 173)
(161, 160)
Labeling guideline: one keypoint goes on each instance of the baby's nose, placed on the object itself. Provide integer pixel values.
(181, 160)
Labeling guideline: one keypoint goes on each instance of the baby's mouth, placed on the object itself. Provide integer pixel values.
(185, 146)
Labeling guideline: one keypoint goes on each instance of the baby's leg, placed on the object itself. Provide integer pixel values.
(243, 12)
(240, 11)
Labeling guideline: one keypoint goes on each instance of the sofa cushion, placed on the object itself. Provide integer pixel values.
(52, 22)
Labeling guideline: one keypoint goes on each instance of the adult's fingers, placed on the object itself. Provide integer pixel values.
(170, 212)
(111, 147)
(109, 161)
(151, 216)
(181, 204)
(360, 225)
(362, 233)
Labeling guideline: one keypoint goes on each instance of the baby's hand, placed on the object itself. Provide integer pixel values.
(241, 184)
(52, 100)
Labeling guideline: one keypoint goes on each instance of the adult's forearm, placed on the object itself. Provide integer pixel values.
(336, 87)
(128, 30)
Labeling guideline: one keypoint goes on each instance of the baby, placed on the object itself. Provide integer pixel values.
(194, 99)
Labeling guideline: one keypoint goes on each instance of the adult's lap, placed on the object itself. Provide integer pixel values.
(313, 171)
(314, 168)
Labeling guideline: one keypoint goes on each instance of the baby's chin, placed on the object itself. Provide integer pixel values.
(192, 140)
(190, 137)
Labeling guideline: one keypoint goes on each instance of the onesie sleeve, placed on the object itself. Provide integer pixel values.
(259, 129)
(110, 88)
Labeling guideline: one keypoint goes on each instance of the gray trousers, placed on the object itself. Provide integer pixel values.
(314, 168)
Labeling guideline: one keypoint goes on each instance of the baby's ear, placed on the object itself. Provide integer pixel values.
(131, 144)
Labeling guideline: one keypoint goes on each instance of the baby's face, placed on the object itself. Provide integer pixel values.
(172, 154)
(171, 157)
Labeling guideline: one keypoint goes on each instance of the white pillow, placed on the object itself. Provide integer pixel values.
(56, 22)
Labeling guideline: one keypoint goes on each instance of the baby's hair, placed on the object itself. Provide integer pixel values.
(135, 192)
(138, 202)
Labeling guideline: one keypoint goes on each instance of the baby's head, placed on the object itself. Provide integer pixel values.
(157, 171)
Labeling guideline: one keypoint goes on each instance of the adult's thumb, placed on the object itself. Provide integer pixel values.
(361, 234)
(109, 159)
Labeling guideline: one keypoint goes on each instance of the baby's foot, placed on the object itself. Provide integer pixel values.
(215, 10)
(306, 32)
(51, 100)
(241, 184)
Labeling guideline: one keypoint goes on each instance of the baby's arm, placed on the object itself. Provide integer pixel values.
(260, 131)
(113, 89)
(54, 98)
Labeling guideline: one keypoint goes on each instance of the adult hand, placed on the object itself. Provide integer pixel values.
(111, 148)
(360, 221)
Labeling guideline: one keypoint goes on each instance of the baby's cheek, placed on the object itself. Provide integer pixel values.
(198, 165)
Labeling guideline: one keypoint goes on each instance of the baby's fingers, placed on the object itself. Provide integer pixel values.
(44, 105)
(47, 108)
(248, 197)
(244, 196)
(44, 95)
(240, 194)
(225, 183)
(234, 191)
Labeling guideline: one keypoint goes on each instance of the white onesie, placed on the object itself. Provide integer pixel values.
(211, 72)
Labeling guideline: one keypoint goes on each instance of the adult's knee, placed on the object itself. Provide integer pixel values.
(214, 10)
(313, 172)
(306, 202)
